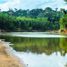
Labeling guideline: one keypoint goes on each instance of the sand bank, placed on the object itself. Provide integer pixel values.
(6, 58)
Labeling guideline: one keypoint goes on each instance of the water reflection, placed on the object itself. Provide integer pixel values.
(40, 52)
(38, 45)
(43, 60)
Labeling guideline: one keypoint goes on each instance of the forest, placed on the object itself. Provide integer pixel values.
(40, 20)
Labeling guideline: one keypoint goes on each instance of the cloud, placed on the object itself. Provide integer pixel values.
(31, 4)
(10, 4)
(54, 4)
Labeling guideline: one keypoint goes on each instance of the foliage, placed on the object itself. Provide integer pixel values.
(7, 22)
(63, 22)
(32, 20)
(65, 0)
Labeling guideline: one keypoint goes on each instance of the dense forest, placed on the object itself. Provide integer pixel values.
(33, 20)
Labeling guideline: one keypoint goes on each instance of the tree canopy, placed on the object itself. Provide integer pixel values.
(32, 20)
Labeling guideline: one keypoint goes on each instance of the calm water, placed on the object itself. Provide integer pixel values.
(39, 49)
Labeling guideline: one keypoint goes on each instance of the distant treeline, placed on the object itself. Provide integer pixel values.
(33, 20)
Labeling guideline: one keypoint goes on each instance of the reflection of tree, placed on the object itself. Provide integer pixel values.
(66, 65)
(63, 46)
(39, 45)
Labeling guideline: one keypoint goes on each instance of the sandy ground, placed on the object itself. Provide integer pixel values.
(6, 60)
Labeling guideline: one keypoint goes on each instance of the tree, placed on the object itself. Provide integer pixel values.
(35, 12)
(32, 20)
(65, 0)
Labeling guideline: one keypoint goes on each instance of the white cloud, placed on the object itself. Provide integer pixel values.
(30, 4)
(55, 4)
(10, 4)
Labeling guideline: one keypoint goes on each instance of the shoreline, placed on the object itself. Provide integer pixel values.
(7, 57)
(35, 34)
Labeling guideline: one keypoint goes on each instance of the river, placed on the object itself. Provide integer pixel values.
(39, 49)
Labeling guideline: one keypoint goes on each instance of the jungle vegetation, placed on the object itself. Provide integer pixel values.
(33, 20)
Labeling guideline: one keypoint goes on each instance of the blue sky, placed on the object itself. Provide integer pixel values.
(2, 1)
(31, 4)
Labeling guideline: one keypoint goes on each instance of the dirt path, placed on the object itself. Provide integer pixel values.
(6, 60)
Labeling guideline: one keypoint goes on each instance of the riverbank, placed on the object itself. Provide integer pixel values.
(7, 60)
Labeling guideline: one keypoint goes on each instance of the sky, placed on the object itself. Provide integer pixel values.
(31, 4)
